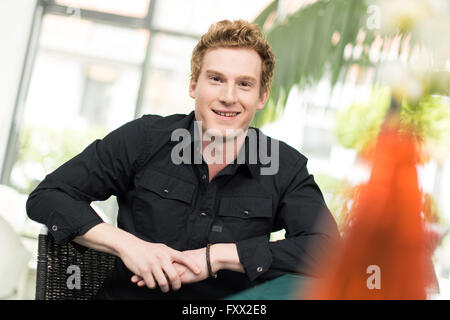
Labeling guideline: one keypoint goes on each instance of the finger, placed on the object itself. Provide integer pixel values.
(149, 281)
(161, 279)
(138, 280)
(135, 278)
(179, 268)
(188, 262)
(172, 275)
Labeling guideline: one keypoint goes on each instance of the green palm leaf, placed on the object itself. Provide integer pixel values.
(304, 50)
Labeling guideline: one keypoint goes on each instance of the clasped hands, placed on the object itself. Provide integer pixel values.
(157, 264)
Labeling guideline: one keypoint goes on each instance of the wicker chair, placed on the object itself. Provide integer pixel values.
(55, 274)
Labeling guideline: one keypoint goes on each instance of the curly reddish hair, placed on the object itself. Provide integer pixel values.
(235, 34)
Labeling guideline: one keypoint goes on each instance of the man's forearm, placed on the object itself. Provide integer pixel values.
(105, 237)
(150, 261)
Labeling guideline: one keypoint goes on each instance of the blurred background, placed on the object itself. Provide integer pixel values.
(74, 70)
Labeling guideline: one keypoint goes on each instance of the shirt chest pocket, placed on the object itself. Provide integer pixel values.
(245, 217)
(162, 207)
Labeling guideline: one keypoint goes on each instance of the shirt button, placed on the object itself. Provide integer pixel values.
(166, 191)
(203, 214)
(246, 212)
(259, 269)
(54, 228)
(204, 177)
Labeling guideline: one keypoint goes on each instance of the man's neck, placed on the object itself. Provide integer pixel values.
(221, 153)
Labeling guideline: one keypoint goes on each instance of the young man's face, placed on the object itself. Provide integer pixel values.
(227, 92)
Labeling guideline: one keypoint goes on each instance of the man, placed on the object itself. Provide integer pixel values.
(195, 229)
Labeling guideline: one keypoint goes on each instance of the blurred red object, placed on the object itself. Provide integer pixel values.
(384, 252)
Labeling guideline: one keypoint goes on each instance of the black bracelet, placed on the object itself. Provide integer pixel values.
(208, 262)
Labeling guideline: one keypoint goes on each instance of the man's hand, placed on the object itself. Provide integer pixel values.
(154, 263)
(223, 256)
(185, 274)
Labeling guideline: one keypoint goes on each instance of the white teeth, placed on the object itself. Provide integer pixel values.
(226, 114)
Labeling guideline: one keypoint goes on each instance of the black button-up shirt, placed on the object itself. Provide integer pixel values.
(175, 204)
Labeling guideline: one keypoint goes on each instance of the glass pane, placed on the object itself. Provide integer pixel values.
(86, 38)
(84, 84)
(131, 8)
(195, 16)
(167, 87)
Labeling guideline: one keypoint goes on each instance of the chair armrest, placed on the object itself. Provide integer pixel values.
(44, 230)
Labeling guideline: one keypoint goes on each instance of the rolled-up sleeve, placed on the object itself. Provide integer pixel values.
(62, 200)
(310, 232)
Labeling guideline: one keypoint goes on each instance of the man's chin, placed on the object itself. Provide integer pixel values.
(223, 133)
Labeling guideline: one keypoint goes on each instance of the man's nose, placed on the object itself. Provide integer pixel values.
(228, 95)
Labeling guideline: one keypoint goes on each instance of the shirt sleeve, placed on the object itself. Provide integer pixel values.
(310, 232)
(62, 200)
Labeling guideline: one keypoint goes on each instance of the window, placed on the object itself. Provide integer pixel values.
(195, 16)
(84, 84)
(166, 90)
(131, 8)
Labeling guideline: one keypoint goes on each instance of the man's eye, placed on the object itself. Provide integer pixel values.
(214, 78)
(245, 84)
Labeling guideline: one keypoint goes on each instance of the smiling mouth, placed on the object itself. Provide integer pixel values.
(226, 114)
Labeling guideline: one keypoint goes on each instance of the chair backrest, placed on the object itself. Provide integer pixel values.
(63, 273)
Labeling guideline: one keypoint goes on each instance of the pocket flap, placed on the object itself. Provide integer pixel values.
(247, 207)
(167, 187)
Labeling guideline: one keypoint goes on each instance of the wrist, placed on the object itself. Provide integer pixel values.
(209, 264)
(125, 241)
(216, 263)
(225, 256)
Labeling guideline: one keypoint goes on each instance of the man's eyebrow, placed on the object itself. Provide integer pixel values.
(243, 77)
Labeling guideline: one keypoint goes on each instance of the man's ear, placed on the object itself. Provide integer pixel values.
(192, 87)
(263, 100)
